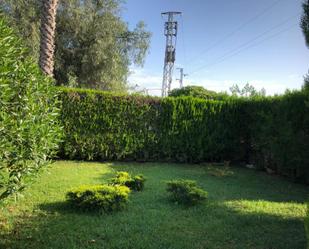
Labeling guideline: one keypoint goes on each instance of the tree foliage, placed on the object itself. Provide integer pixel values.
(193, 91)
(25, 17)
(305, 21)
(94, 46)
(306, 83)
(247, 91)
(305, 27)
(29, 126)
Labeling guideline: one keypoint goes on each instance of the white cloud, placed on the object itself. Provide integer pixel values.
(145, 80)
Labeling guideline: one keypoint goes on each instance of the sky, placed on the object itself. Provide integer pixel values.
(224, 42)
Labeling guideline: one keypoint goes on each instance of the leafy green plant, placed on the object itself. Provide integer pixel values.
(135, 183)
(185, 192)
(103, 198)
(29, 126)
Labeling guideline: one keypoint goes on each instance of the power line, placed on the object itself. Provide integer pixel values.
(241, 50)
(252, 40)
(224, 38)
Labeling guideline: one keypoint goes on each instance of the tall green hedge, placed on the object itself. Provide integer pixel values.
(271, 133)
(196, 130)
(107, 127)
(29, 125)
(279, 134)
(102, 126)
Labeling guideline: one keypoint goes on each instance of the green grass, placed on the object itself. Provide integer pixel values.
(245, 209)
(307, 225)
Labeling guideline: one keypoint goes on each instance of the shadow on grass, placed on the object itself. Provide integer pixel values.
(165, 225)
(230, 183)
(64, 208)
(105, 178)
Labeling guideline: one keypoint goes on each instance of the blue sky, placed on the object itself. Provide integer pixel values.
(225, 42)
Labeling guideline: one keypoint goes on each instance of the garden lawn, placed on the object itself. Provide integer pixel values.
(245, 209)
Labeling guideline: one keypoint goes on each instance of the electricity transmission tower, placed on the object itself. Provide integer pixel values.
(182, 76)
(170, 31)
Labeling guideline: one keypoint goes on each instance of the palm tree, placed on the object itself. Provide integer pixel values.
(48, 26)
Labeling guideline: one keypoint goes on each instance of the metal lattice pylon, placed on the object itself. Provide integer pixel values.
(170, 31)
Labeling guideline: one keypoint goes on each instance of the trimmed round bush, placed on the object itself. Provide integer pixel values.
(135, 183)
(29, 126)
(103, 198)
(185, 192)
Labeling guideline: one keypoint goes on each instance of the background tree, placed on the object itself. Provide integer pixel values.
(94, 46)
(47, 31)
(25, 17)
(99, 49)
(305, 27)
(194, 91)
(306, 83)
(247, 91)
(305, 21)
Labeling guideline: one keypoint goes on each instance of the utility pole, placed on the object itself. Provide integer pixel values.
(182, 76)
(170, 31)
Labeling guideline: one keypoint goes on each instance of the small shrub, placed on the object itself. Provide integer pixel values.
(135, 183)
(99, 198)
(185, 192)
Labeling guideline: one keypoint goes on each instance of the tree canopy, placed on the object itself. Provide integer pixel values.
(306, 83)
(94, 46)
(305, 21)
(247, 91)
(305, 28)
(194, 91)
